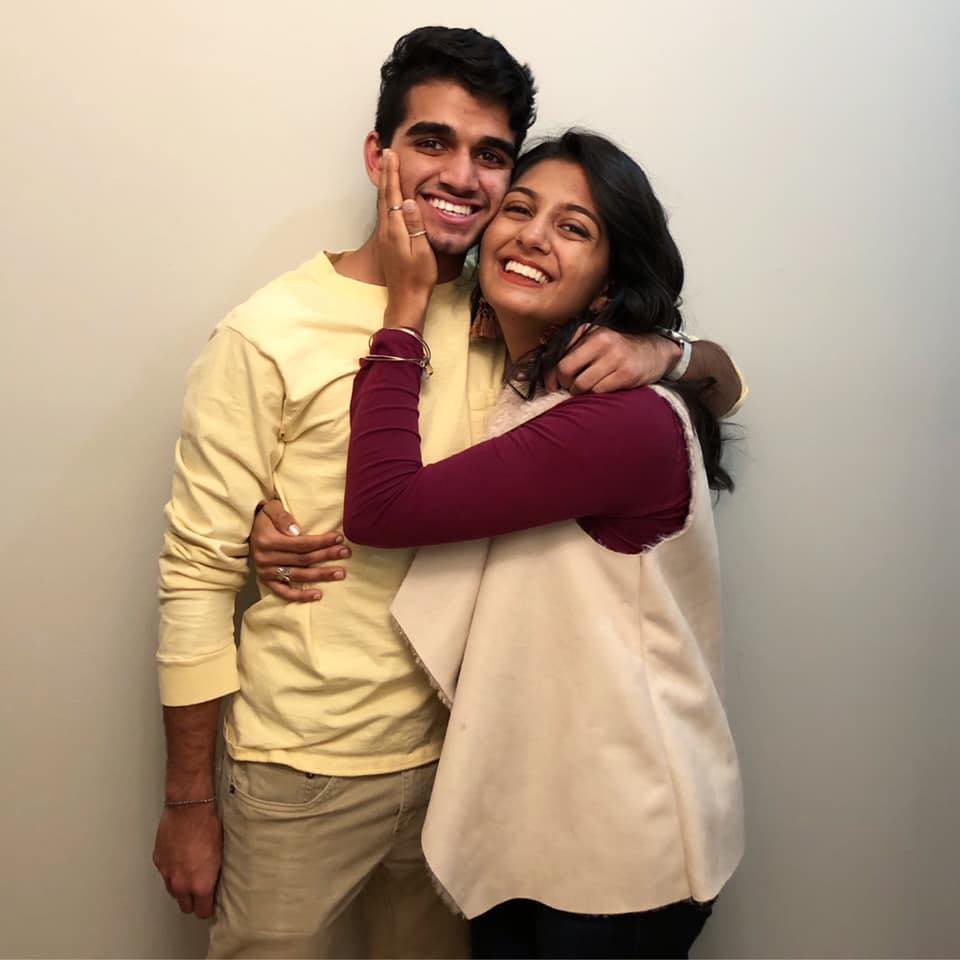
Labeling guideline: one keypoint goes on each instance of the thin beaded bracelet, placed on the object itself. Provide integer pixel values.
(188, 803)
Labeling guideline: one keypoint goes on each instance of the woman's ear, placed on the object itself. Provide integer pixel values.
(372, 156)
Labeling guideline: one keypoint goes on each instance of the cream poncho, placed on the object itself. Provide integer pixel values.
(588, 763)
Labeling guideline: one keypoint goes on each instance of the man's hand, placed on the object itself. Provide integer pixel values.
(280, 551)
(188, 845)
(187, 854)
(602, 361)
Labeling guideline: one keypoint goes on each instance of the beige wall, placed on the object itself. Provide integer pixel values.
(160, 160)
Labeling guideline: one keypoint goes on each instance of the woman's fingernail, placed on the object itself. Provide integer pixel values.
(339, 575)
(294, 529)
(344, 552)
(338, 540)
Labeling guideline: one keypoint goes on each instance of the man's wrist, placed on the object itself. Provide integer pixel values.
(679, 351)
(679, 368)
(188, 786)
(173, 797)
(672, 354)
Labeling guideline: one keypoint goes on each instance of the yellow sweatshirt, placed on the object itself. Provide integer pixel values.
(326, 687)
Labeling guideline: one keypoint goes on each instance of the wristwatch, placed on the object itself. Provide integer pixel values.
(686, 345)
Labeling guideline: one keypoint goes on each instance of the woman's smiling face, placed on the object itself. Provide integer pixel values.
(545, 255)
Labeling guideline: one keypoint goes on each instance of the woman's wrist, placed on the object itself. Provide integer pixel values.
(407, 312)
(399, 345)
(402, 341)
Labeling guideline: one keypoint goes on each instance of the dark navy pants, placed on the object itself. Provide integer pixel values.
(524, 928)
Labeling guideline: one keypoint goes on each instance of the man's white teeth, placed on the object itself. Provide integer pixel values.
(447, 207)
(525, 271)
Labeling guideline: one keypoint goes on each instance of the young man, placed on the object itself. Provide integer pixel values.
(332, 731)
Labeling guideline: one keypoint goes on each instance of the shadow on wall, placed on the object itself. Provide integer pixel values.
(324, 226)
(96, 495)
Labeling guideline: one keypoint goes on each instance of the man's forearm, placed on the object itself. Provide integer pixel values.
(710, 360)
(191, 748)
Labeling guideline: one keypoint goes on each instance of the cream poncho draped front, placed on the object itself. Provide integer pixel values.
(588, 763)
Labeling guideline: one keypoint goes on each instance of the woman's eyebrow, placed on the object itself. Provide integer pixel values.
(575, 207)
(578, 209)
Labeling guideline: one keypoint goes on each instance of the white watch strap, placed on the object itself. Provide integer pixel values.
(680, 367)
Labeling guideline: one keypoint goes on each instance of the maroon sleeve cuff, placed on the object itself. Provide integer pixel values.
(395, 343)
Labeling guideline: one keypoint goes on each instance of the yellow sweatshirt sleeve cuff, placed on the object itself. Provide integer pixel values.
(183, 683)
(744, 388)
(744, 392)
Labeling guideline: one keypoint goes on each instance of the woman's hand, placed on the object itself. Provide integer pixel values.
(408, 261)
(290, 563)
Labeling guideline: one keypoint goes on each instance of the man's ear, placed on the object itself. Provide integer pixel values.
(600, 301)
(372, 156)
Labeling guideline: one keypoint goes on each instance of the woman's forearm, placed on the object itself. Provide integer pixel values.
(615, 455)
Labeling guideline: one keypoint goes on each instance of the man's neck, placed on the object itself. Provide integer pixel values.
(363, 264)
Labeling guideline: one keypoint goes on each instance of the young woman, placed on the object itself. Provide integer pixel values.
(587, 801)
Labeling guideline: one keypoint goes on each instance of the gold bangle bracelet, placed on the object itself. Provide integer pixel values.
(423, 364)
(410, 332)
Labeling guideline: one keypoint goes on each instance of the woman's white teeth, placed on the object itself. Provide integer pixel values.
(447, 207)
(524, 270)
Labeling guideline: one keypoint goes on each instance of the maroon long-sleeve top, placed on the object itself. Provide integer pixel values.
(616, 462)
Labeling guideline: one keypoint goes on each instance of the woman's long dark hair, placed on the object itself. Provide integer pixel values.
(645, 275)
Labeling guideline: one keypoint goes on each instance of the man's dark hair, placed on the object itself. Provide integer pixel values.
(480, 64)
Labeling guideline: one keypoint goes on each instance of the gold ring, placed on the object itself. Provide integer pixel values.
(396, 207)
(419, 233)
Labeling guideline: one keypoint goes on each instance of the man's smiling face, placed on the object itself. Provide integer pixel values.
(456, 153)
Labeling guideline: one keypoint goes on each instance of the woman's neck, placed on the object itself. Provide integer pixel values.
(520, 338)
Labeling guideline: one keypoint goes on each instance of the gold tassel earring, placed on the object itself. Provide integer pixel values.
(485, 324)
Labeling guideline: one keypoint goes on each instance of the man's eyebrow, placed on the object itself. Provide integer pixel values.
(433, 128)
(567, 206)
(498, 143)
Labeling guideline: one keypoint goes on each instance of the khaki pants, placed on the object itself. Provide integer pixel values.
(317, 866)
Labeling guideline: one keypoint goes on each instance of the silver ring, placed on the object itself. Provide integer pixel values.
(283, 574)
(396, 207)
(419, 233)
